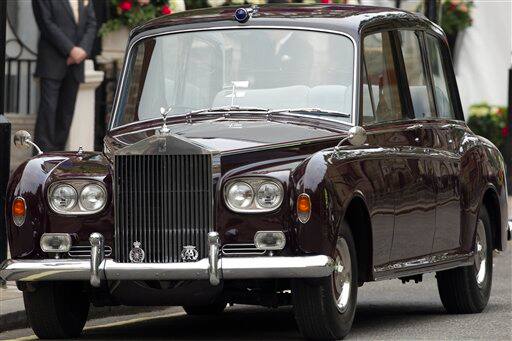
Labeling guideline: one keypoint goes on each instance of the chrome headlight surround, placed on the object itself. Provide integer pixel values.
(255, 183)
(78, 185)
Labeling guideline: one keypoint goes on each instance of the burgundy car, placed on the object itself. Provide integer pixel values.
(273, 155)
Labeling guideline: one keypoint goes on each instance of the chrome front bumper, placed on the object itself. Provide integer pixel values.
(212, 268)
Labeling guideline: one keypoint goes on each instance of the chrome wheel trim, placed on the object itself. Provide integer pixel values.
(342, 275)
(480, 254)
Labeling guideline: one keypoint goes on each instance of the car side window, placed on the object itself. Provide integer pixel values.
(380, 94)
(416, 76)
(444, 102)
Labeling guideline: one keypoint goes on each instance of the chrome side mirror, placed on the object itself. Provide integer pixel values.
(356, 137)
(22, 139)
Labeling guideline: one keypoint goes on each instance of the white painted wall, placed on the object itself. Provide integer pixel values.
(483, 54)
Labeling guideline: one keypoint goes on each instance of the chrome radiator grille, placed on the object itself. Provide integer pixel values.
(164, 202)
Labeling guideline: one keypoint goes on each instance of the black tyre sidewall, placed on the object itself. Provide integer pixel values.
(343, 321)
(458, 288)
(316, 311)
(57, 310)
(479, 295)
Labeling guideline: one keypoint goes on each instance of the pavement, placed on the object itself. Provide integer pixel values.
(386, 310)
(12, 310)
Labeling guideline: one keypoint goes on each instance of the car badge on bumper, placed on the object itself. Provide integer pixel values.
(189, 253)
(137, 254)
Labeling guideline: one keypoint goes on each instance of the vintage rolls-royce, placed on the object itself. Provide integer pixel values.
(273, 155)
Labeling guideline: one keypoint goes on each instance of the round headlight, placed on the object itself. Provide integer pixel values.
(240, 195)
(92, 197)
(268, 195)
(63, 197)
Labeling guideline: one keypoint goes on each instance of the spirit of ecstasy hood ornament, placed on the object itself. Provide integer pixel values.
(164, 130)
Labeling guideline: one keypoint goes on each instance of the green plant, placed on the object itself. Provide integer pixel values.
(489, 122)
(131, 13)
(456, 15)
(195, 4)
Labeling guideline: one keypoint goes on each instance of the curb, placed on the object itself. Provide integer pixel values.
(18, 319)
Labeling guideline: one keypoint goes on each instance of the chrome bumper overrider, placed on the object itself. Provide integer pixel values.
(212, 268)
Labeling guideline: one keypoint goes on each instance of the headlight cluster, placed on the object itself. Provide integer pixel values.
(253, 195)
(77, 197)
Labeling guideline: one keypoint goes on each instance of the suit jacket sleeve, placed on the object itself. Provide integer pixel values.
(90, 31)
(49, 30)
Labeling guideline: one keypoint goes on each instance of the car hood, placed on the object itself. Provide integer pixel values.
(222, 135)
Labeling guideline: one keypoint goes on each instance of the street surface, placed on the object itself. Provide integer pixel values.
(387, 310)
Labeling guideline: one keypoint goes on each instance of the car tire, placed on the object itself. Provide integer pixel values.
(214, 308)
(324, 308)
(466, 290)
(57, 310)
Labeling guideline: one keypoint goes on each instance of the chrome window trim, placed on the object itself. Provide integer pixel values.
(131, 44)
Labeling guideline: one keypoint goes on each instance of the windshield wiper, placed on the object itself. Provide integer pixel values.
(312, 111)
(228, 108)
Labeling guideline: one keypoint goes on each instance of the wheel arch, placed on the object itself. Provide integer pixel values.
(357, 216)
(490, 201)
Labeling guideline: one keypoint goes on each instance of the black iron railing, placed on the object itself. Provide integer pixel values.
(20, 86)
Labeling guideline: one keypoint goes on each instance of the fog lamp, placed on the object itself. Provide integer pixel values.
(55, 242)
(269, 240)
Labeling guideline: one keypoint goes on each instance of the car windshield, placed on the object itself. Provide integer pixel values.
(273, 69)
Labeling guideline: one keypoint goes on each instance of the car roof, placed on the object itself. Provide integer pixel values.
(352, 20)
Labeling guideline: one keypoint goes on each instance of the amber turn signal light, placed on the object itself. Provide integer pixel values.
(19, 211)
(303, 207)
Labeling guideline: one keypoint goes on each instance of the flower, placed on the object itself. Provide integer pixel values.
(455, 2)
(504, 132)
(326, 1)
(166, 9)
(125, 5)
(463, 8)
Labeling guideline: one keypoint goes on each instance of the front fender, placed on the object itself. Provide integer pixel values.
(331, 183)
(482, 168)
(31, 180)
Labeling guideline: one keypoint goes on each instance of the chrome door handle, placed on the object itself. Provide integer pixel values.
(448, 126)
(415, 127)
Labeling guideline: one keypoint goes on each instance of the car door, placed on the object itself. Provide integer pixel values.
(415, 211)
(392, 126)
(450, 128)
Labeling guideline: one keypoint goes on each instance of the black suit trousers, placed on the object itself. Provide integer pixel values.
(55, 114)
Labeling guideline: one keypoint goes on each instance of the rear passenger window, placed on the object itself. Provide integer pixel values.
(414, 68)
(380, 95)
(441, 93)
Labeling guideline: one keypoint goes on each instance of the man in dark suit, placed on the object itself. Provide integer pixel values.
(67, 32)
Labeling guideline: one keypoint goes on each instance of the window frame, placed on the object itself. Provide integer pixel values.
(406, 101)
(426, 72)
(120, 94)
(403, 84)
(449, 75)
